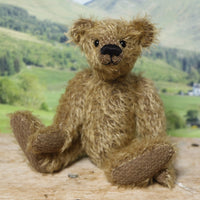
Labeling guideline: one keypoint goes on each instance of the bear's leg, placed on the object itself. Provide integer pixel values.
(25, 126)
(137, 163)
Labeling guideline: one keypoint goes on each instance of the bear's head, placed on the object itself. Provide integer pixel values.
(112, 46)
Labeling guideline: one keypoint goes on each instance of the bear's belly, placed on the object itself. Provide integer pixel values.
(109, 123)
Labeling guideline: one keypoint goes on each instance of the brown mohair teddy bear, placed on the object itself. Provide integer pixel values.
(107, 113)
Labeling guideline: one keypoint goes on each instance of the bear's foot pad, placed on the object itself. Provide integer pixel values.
(24, 124)
(143, 167)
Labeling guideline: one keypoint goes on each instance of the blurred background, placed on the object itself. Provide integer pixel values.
(36, 62)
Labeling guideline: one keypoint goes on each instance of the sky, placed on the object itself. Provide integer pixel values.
(82, 1)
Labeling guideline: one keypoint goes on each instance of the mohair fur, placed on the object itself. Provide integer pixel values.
(108, 113)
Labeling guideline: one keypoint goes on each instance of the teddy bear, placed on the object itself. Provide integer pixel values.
(107, 113)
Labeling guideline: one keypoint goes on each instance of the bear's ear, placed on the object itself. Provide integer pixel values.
(144, 31)
(79, 28)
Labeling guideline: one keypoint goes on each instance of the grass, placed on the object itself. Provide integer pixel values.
(46, 117)
(53, 79)
(171, 87)
(188, 132)
(52, 98)
(181, 104)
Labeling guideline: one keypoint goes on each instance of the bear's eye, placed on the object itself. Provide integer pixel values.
(123, 43)
(96, 43)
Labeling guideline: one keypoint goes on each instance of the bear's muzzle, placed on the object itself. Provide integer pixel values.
(111, 54)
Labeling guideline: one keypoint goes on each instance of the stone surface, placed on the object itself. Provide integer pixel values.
(18, 181)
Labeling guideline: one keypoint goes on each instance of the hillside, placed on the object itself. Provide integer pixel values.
(17, 18)
(179, 20)
(60, 11)
(158, 70)
(32, 51)
(29, 50)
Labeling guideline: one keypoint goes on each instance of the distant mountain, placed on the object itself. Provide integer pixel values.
(59, 11)
(178, 19)
(18, 19)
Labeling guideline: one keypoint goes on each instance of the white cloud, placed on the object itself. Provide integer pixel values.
(81, 1)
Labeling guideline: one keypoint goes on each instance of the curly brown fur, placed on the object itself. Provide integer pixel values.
(108, 113)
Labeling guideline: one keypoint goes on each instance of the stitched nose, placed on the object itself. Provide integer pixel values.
(111, 49)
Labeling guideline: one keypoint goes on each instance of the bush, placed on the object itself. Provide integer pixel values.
(174, 121)
(25, 91)
(32, 90)
(44, 106)
(10, 93)
(164, 90)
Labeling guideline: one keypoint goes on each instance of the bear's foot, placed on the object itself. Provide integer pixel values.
(141, 169)
(26, 129)
(166, 177)
(24, 124)
(47, 140)
(33, 136)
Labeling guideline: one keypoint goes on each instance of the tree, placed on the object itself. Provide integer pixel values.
(9, 63)
(192, 117)
(17, 65)
(2, 69)
(174, 121)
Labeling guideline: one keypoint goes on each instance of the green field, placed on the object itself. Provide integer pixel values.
(53, 79)
(187, 132)
(184, 103)
(179, 104)
(172, 88)
(46, 117)
(55, 82)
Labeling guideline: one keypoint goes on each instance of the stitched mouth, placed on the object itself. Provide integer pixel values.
(111, 62)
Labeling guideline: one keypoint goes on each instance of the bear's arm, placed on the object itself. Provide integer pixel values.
(69, 113)
(150, 115)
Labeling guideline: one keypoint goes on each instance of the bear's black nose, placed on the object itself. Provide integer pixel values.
(111, 49)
